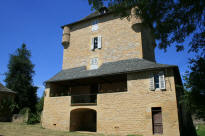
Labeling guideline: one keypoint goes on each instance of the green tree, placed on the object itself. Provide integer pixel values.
(171, 21)
(39, 105)
(195, 82)
(19, 78)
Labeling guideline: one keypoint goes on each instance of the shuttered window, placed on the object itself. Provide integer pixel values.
(157, 80)
(96, 43)
(157, 125)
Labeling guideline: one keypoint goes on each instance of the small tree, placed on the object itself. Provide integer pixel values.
(19, 78)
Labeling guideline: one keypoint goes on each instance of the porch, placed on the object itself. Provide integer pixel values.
(85, 91)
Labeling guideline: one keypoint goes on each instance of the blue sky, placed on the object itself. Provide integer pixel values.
(37, 24)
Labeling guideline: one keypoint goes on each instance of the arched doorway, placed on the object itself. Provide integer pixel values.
(83, 120)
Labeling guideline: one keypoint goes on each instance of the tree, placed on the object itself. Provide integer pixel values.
(195, 82)
(19, 78)
(171, 21)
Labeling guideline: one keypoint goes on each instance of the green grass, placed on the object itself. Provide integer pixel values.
(201, 130)
(14, 129)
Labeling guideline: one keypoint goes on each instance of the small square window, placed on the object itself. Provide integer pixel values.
(94, 63)
(95, 25)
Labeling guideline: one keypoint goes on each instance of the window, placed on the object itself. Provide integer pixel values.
(157, 126)
(94, 63)
(96, 43)
(95, 25)
(157, 81)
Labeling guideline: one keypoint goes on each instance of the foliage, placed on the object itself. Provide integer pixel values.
(39, 105)
(35, 117)
(201, 130)
(7, 106)
(24, 110)
(19, 78)
(195, 82)
(171, 21)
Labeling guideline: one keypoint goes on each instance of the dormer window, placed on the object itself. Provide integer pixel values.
(95, 25)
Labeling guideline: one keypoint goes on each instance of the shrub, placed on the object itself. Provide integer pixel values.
(7, 107)
(34, 118)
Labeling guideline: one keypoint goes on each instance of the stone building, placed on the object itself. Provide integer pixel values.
(5, 95)
(110, 82)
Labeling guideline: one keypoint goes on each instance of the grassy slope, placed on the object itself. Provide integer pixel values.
(12, 129)
(201, 130)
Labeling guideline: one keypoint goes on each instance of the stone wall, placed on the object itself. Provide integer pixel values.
(119, 42)
(123, 112)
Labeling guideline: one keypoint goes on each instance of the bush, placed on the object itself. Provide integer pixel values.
(7, 106)
(34, 118)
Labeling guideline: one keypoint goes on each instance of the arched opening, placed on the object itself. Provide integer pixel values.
(83, 120)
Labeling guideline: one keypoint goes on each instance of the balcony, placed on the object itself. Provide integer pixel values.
(84, 99)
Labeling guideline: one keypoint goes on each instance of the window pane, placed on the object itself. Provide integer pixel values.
(156, 80)
(95, 42)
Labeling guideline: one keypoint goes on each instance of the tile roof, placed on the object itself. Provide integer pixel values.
(4, 89)
(90, 16)
(109, 68)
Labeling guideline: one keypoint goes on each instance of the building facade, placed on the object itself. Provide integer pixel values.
(110, 82)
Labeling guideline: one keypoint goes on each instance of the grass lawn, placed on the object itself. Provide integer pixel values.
(13, 129)
(201, 130)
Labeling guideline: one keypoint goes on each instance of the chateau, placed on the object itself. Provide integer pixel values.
(110, 82)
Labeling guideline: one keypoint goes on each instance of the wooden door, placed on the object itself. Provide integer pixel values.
(157, 121)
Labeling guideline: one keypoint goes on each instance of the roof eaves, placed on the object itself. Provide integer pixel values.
(85, 19)
(125, 72)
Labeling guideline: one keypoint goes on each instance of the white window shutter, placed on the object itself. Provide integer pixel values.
(99, 42)
(92, 44)
(151, 82)
(162, 81)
